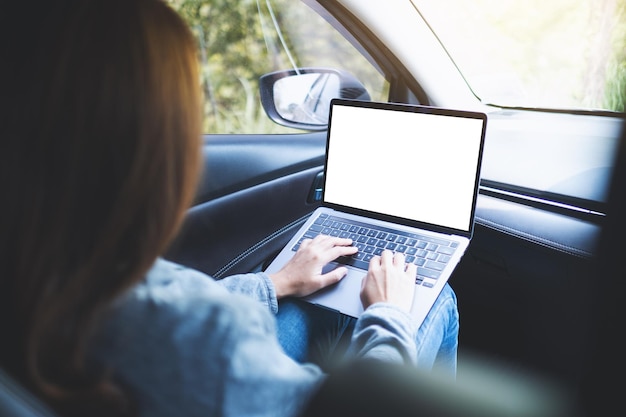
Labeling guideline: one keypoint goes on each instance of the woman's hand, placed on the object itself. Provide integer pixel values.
(389, 279)
(302, 275)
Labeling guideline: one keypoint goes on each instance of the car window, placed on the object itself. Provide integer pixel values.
(535, 53)
(238, 41)
(501, 57)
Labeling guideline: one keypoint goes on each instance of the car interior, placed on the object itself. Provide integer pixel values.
(582, 383)
(540, 289)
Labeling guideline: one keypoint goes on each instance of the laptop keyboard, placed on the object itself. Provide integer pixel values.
(429, 254)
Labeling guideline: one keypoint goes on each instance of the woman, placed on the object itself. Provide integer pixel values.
(100, 157)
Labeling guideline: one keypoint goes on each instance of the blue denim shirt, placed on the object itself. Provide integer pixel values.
(184, 344)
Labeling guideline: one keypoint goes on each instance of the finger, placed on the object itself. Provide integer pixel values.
(386, 258)
(398, 259)
(332, 248)
(339, 241)
(363, 282)
(320, 238)
(333, 276)
(305, 243)
(338, 251)
(375, 263)
(334, 245)
(411, 270)
(325, 242)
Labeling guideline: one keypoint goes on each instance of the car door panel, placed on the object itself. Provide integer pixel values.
(253, 194)
(559, 231)
(521, 297)
(235, 162)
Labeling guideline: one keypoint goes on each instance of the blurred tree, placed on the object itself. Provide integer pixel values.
(240, 40)
(615, 91)
(233, 54)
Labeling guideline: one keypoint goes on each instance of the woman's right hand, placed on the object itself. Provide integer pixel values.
(389, 279)
(302, 275)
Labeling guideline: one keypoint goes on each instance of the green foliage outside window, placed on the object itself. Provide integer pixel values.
(240, 40)
(232, 55)
(562, 53)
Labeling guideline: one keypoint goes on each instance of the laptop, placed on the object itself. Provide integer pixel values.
(399, 177)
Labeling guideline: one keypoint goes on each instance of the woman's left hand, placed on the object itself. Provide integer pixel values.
(302, 275)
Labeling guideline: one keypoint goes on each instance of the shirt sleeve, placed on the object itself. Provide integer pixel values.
(184, 345)
(263, 375)
(384, 332)
(258, 286)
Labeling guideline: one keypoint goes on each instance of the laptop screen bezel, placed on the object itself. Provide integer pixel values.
(419, 109)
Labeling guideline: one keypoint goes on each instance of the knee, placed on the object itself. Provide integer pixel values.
(447, 303)
(448, 295)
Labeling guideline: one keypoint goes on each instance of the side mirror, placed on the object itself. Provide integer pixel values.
(300, 98)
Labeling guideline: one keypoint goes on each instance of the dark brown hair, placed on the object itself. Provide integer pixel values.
(99, 154)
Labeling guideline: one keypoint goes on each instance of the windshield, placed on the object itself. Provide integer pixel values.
(568, 54)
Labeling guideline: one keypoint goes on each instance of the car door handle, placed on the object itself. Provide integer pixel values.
(317, 189)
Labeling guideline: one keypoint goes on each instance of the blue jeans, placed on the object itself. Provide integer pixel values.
(309, 333)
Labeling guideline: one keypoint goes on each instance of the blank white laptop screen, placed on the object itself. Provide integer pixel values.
(416, 166)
